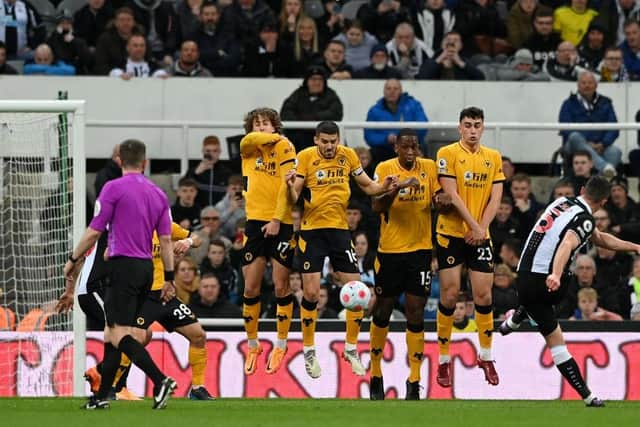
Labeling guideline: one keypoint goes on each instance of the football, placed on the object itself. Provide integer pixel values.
(355, 296)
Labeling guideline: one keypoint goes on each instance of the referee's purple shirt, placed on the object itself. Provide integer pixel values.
(134, 207)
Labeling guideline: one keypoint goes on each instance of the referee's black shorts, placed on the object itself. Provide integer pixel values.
(130, 282)
(534, 295)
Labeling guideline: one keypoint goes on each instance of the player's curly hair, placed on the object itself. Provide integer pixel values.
(268, 113)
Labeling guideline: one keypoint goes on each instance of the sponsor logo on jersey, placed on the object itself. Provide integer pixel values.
(442, 165)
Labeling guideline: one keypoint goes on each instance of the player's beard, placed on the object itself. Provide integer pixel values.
(328, 154)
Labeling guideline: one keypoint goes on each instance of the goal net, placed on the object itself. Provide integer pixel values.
(38, 213)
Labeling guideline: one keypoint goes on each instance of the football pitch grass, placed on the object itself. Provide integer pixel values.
(317, 412)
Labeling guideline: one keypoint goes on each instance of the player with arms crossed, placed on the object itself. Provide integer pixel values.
(566, 225)
(403, 263)
(134, 208)
(472, 174)
(266, 158)
(322, 179)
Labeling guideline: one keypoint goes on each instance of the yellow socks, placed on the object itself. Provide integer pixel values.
(198, 362)
(415, 348)
(377, 340)
(251, 314)
(484, 320)
(124, 365)
(308, 317)
(354, 319)
(284, 311)
(445, 324)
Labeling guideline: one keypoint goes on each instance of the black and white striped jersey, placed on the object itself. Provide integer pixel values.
(560, 216)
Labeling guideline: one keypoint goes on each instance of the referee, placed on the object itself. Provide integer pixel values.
(133, 207)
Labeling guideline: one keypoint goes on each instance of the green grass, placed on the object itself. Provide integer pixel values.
(319, 412)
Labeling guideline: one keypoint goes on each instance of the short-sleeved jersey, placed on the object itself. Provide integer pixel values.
(561, 216)
(406, 226)
(475, 174)
(133, 207)
(263, 172)
(177, 233)
(326, 187)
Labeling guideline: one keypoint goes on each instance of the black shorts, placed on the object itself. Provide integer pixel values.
(534, 295)
(130, 282)
(454, 251)
(408, 272)
(171, 314)
(256, 245)
(315, 245)
(92, 305)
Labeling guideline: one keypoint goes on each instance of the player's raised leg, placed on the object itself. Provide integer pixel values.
(481, 284)
(353, 322)
(449, 289)
(284, 312)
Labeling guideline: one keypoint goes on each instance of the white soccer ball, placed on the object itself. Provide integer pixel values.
(355, 296)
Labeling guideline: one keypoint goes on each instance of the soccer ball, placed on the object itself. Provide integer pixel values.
(355, 296)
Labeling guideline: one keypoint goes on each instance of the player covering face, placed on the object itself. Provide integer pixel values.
(403, 262)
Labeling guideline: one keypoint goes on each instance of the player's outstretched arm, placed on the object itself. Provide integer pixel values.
(610, 241)
(294, 186)
(383, 202)
(252, 140)
(372, 188)
(450, 187)
(569, 243)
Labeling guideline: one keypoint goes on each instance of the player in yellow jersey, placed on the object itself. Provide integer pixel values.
(322, 180)
(403, 262)
(472, 174)
(266, 158)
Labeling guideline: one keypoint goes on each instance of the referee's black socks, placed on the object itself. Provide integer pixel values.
(138, 355)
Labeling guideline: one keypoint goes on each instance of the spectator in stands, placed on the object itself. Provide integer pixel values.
(508, 169)
(563, 188)
(220, 51)
(634, 290)
(381, 17)
(379, 67)
(111, 47)
(407, 52)
(324, 311)
(623, 211)
(612, 273)
(332, 22)
(573, 21)
(297, 56)
(504, 226)
(543, 41)
(394, 106)
(91, 21)
(510, 251)
(526, 207)
(461, 321)
(313, 101)
(188, 63)
(187, 279)
(582, 167)
(20, 29)
(591, 49)
(435, 21)
(211, 175)
(45, 63)
(295, 282)
(612, 68)
(519, 20)
(447, 64)
(483, 31)
(588, 106)
(247, 17)
(185, 211)
(217, 263)
(504, 293)
(5, 69)
(358, 44)
(364, 154)
(208, 231)
(290, 13)
(627, 10)
(564, 67)
(588, 307)
(210, 302)
(602, 220)
(519, 67)
(110, 171)
(188, 12)
(334, 61)
(231, 207)
(69, 48)
(138, 63)
(161, 27)
(366, 257)
(631, 49)
(265, 59)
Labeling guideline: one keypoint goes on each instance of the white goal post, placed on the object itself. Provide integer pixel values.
(57, 129)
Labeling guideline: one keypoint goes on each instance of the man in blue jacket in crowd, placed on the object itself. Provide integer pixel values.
(394, 106)
(588, 106)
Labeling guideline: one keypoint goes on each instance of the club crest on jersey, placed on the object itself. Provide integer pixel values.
(487, 163)
(272, 154)
(316, 163)
(423, 175)
(468, 175)
(342, 161)
(321, 175)
(442, 165)
(140, 321)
